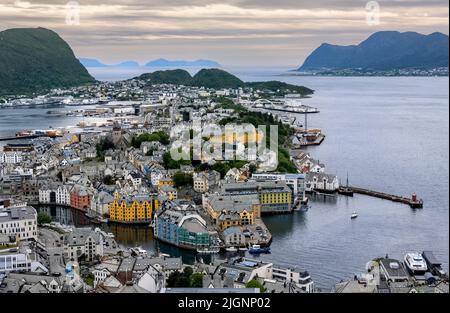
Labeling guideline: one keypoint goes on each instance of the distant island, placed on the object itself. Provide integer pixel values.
(182, 63)
(35, 59)
(383, 53)
(158, 63)
(217, 78)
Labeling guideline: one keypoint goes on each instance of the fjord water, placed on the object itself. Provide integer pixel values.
(389, 134)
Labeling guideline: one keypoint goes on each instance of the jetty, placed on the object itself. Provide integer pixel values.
(413, 202)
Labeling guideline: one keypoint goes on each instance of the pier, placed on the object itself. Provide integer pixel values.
(413, 202)
(21, 137)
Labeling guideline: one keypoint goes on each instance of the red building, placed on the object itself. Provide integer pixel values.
(80, 198)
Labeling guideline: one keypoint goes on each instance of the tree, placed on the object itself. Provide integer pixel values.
(252, 168)
(43, 218)
(182, 179)
(197, 280)
(89, 279)
(108, 180)
(255, 284)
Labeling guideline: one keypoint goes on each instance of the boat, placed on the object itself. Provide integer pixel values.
(210, 250)
(231, 249)
(138, 251)
(242, 249)
(415, 263)
(354, 215)
(257, 249)
(434, 265)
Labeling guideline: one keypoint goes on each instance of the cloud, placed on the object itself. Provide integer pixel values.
(234, 32)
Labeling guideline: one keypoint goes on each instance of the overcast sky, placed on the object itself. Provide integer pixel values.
(232, 32)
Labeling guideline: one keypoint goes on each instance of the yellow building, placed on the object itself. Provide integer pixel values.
(168, 191)
(274, 196)
(227, 211)
(132, 209)
(166, 181)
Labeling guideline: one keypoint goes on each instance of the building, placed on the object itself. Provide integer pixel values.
(232, 210)
(19, 221)
(22, 260)
(80, 198)
(296, 182)
(132, 209)
(274, 196)
(100, 203)
(321, 182)
(83, 243)
(181, 227)
(233, 236)
(54, 194)
(203, 181)
(169, 192)
(12, 157)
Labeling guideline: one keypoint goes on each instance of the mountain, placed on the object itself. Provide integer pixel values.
(127, 64)
(33, 59)
(182, 63)
(386, 50)
(87, 62)
(91, 62)
(216, 78)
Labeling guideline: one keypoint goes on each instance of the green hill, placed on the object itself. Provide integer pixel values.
(32, 59)
(176, 77)
(216, 78)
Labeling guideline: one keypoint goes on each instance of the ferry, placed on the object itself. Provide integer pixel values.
(257, 249)
(415, 263)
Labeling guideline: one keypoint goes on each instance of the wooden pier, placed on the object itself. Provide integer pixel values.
(413, 202)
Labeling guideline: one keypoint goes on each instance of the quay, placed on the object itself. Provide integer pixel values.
(413, 202)
(21, 137)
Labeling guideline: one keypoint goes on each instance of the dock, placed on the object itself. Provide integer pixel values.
(413, 202)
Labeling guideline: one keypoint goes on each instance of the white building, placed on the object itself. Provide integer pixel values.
(19, 221)
(13, 157)
(56, 195)
(296, 182)
(321, 182)
(20, 261)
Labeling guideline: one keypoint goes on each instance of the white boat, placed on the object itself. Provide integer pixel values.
(231, 249)
(138, 251)
(210, 250)
(415, 263)
(354, 215)
(243, 249)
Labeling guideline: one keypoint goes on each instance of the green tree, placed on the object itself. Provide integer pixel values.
(255, 284)
(89, 279)
(182, 179)
(43, 218)
(197, 280)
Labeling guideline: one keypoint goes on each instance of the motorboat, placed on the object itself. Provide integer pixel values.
(231, 249)
(415, 263)
(243, 249)
(210, 250)
(257, 249)
(138, 251)
(354, 215)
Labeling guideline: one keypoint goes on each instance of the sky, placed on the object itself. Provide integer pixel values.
(231, 32)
